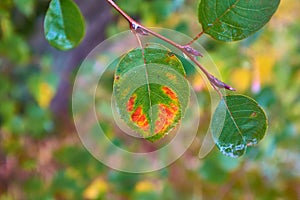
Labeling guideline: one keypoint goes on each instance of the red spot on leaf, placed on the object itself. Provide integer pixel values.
(253, 114)
(169, 92)
(171, 57)
(130, 103)
(140, 119)
(136, 115)
(166, 117)
(171, 54)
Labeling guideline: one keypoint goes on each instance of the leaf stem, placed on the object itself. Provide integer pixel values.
(186, 49)
(115, 6)
(195, 38)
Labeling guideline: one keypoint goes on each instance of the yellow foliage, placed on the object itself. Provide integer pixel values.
(288, 12)
(241, 79)
(95, 189)
(264, 64)
(45, 94)
(144, 186)
(150, 21)
(264, 57)
(173, 20)
(72, 173)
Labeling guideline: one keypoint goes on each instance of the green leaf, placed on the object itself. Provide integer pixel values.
(216, 167)
(15, 48)
(64, 24)
(25, 6)
(233, 20)
(151, 98)
(238, 122)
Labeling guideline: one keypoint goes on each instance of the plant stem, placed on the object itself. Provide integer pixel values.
(186, 49)
(195, 38)
(113, 4)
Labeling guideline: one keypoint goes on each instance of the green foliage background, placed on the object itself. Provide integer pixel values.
(41, 156)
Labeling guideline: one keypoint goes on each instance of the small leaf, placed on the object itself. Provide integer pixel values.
(238, 122)
(96, 189)
(233, 20)
(144, 186)
(25, 6)
(64, 24)
(151, 91)
(43, 88)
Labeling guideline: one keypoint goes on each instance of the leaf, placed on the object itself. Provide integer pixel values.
(151, 97)
(64, 24)
(145, 186)
(238, 122)
(96, 189)
(15, 48)
(25, 6)
(216, 167)
(233, 20)
(43, 88)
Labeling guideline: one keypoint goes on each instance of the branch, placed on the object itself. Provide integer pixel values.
(195, 38)
(189, 51)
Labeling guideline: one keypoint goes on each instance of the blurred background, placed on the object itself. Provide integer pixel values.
(41, 156)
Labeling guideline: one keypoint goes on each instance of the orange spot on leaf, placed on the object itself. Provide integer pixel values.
(171, 54)
(169, 92)
(171, 57)
(136, 115)
(130, 103)
(253, 114)
(140, 119)
(166, 117)
(171, 76)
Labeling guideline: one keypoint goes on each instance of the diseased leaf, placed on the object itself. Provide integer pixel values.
(64, 24)
(238, 122)
(151, 92)
(231, 20)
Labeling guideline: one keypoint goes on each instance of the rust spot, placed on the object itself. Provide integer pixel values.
(140, 119)
(170, 58)
(166, 117)
(169, 92)
(171, 54)
(136, 115)
(253, 114)
(130, 103)
(117, 77)
(171, 76)
(143, 122)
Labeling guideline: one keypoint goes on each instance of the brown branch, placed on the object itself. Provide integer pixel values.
(195, 38)
(186, 49)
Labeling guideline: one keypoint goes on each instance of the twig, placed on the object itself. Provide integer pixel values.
(195, 38)
(186, 49)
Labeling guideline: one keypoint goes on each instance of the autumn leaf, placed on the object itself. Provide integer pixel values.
(151, 91)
